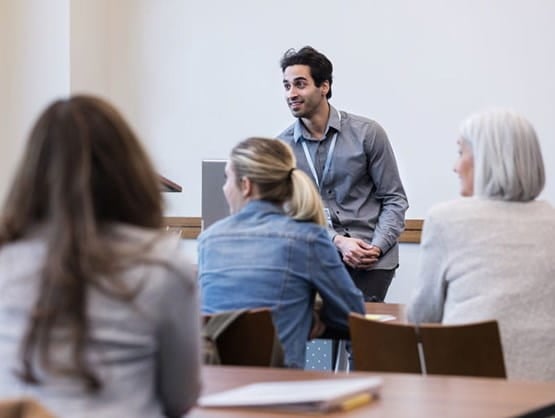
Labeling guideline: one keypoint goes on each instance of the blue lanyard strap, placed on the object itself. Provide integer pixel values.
(327, 165)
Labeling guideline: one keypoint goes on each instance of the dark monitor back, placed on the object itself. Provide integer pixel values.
(214, 205)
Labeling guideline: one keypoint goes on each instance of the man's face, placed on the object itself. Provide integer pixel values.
(301, 94)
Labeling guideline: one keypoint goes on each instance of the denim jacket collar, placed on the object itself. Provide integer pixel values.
(260, 206)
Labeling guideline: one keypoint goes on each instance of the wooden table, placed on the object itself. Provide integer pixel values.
(396, 309)
(402, 395)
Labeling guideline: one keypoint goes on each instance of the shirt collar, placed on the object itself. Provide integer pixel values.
(300, 131)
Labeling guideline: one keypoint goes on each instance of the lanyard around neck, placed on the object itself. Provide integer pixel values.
(327, 165)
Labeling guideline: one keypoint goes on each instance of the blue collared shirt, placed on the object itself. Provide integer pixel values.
(260, 257)
(362, 188)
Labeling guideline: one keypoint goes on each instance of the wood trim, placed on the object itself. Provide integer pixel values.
(169, 186)
(186, 227)
(190, 228)
(412, 232)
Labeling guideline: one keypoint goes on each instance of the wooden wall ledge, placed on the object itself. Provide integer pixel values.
(190, 228)
(413, 231)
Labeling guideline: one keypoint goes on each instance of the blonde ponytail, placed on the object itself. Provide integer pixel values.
(305, 203)
(271, 165)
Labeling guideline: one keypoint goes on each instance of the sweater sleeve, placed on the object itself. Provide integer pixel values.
(429, 296)
(178, 376)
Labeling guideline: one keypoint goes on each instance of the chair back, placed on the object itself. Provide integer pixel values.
(382, 347)
(23, 408)
(249, 340)
(465, 350)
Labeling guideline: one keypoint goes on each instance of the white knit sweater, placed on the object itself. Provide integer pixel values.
(485, 259)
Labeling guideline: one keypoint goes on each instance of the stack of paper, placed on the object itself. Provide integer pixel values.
(306, 395)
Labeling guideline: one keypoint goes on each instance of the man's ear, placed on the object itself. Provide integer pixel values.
(246, 187)
(325, 87)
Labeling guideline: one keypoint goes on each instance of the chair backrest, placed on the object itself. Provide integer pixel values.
(383, 347)
(23, 408)
(250, 340)
(466, 350)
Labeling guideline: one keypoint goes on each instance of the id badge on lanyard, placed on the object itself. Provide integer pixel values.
(327, 165)
(328, 217)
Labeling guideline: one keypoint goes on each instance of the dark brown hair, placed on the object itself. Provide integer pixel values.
(83, 168)
(321, 67)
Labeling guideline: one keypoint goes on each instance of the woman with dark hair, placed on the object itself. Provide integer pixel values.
(99, 315)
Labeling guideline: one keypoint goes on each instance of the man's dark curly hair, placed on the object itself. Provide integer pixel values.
(321, 67)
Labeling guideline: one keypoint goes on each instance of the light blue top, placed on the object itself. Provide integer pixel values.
(260, 257)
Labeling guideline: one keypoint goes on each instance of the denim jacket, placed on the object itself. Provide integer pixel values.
(260, 257)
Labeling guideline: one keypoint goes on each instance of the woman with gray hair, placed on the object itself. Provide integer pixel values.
(488, 256)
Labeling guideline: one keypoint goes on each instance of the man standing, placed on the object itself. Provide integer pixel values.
(352, 163)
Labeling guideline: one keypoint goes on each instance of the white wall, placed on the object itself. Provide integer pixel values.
(90, 43)
(5, 143)
(194, 78)
(417, 67)
(34, 47)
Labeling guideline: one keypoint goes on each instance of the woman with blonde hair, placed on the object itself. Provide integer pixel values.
(98, 308)
(488, 256)
(274, 251)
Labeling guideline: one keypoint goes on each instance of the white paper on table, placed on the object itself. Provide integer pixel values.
(380, 317)
(317, 394)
